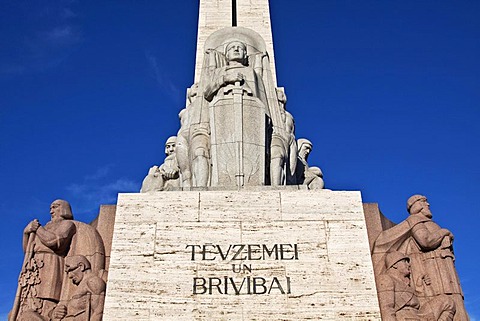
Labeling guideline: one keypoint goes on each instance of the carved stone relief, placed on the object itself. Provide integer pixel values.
(311, 176)
(167, 175)
(430, 251)
(235, 130)
(398, 299)
(44, 280)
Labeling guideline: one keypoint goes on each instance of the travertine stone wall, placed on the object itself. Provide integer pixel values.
(317, 265)
(217, 14)
(256, 15)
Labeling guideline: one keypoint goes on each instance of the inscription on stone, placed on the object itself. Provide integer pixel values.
(241, 252)
(248, 255)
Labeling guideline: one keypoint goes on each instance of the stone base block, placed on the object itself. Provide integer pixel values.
(241, 255)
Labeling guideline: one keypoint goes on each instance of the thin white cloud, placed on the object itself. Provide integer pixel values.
(68, 13)
(100, 173)
(91, 195)
(62, 35)
(163, 81)
(45, 45)
(99, 188)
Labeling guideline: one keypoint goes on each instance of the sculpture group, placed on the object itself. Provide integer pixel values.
(415, 270)
(235, 129)
(63, 275)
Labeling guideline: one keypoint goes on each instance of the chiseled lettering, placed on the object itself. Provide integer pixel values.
(257, 284)
(286, 248)
(212, 285)
(246, 286)
(193, 250)
(276, 285)
(196, 285)
(205, 251)
(235, 257)
(241, 252)
(223, 256)
(234, 285)
(252, 249)
(270, 252)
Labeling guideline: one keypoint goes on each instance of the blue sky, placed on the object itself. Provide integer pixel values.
(388, 92)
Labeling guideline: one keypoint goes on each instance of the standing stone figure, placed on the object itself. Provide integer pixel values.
(235, 91)
(43, 282)
(306, 175)
(42, 276)
(165, 176)
(397, 298)
(88, 299)
(231, 113)
(283, 158)
(430, 250)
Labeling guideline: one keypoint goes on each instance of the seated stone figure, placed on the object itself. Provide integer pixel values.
(88, 298)
(165, 176)
(397, 298)
(306, 175)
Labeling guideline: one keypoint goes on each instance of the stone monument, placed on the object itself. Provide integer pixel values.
(44, 288)
(250, 233)
(235, 224)
(429, 249)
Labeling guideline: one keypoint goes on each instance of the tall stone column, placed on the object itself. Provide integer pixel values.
(217, 14)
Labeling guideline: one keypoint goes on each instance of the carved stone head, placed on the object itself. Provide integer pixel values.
(236, 51)
(398, 263)
(417, 204)
(304, 148)
(75, 267)
(61, 209)
(170, 145)
(393, 257)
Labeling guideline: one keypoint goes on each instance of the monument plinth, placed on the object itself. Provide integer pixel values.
(241, 255)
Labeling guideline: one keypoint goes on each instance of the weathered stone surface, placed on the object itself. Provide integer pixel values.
(104, 224)
(311, 176)
(165, 176)
(312, 245)
(235, 130)
(217, 14)
(44, 287)
(398, 300)
(429, 250)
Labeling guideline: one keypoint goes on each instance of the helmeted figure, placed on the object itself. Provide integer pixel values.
(398, 300)
(311, 176)
(430, 250)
